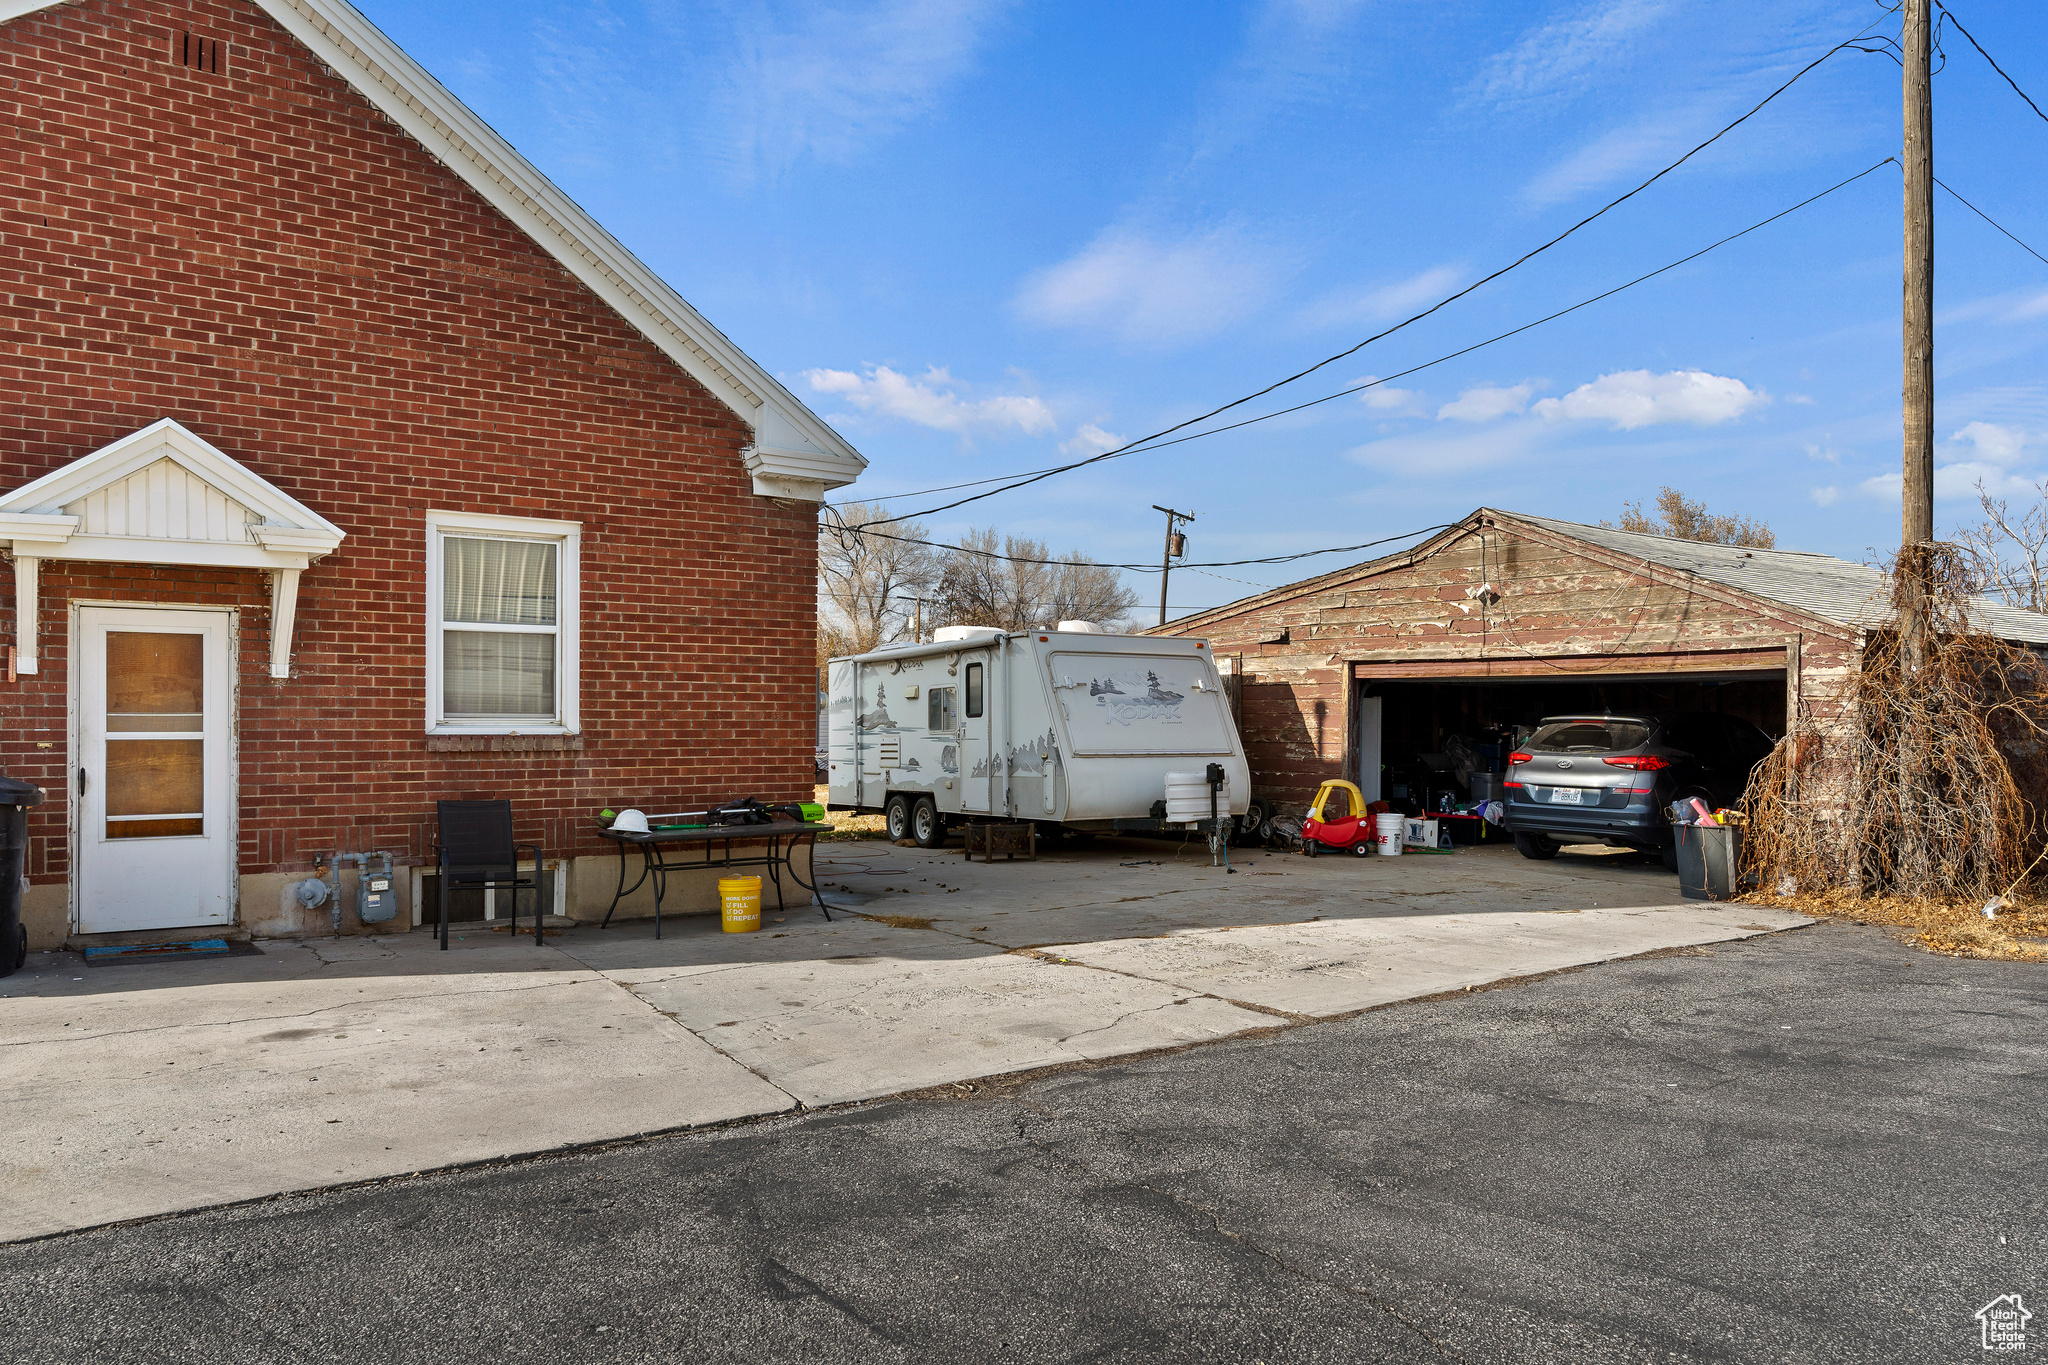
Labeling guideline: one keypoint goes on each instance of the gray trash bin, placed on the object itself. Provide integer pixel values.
(16, 797)
(1707, 859)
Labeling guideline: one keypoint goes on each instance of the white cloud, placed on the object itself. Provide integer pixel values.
(1152, 292)
(1637, 398)
(1828, 496)
(828, 80)
(1558, 56)
(932, 401)
(2000, 445)
(1607, 158)
(1387, 400)
(1090, 439)
(1429, 455)
(1958, 481)
(1401, 299)
(1978, 453)
(1826, 454)
(1484, 404)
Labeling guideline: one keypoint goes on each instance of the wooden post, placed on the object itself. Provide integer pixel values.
(1917, 491)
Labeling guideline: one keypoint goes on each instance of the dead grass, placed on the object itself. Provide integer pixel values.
(1954, 928)
(900, 921)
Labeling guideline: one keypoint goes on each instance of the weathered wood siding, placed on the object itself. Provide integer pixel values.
(1564, 608)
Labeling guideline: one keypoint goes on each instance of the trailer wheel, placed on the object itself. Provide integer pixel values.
(896, 817)
(927, 826)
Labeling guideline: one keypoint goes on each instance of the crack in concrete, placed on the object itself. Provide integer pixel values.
(634, 995)
(1127, 1014)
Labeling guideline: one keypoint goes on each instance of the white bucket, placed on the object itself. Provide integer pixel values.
(1390, 829)
(1187, 797)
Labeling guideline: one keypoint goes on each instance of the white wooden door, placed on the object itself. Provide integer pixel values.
(153, 754)
(978, 766)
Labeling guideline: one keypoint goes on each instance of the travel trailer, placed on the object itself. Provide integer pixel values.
(1069, 727)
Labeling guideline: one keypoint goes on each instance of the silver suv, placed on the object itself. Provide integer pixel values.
(1607, 779)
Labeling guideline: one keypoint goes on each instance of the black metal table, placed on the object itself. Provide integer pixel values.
(782, 839)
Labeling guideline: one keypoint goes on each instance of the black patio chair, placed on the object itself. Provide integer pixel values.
(476, 852)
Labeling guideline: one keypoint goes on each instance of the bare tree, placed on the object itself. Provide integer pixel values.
(1016, 583)
(1680, 518)
(2007, 552)
(867, 581)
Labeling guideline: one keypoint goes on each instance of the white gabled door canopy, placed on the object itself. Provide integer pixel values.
(162, 496)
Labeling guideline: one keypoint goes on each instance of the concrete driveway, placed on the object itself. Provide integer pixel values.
(147, 1089)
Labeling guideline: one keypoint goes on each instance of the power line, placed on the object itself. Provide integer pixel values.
(1994, 222)
(1442, 359)
(1995, 67)
(1441, 303)
(866, 529)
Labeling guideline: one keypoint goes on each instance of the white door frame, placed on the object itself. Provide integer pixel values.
(228, 620)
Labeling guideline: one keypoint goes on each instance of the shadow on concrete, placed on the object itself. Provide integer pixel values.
(931, 904)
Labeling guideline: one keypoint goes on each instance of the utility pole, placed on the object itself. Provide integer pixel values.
(1176, 548)
(1917, 492)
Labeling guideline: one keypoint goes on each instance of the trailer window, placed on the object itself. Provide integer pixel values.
(973, 690)
(939, 710)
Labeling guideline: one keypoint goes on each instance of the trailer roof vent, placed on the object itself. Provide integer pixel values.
(949, 634)
(1080, 628)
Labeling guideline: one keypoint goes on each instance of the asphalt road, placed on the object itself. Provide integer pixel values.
(1818, 1146)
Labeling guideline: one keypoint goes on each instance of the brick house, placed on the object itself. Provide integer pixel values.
(346, 465)
(1368, 672)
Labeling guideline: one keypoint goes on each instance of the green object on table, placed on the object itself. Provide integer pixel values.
(682, 827)
(814, 814)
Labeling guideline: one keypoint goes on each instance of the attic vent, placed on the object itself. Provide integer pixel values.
(199, 52)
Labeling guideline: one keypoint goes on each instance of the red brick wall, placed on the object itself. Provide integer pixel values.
(264, 257)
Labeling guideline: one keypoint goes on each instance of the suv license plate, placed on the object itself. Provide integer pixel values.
(1567, 796)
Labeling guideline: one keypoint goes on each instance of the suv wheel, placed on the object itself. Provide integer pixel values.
(896, 818)
(1670, 854)
(1535, 845)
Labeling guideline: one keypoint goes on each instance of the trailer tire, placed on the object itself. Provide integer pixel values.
(896, 817)
(927, 826)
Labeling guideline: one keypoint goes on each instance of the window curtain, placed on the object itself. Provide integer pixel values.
(498, 582)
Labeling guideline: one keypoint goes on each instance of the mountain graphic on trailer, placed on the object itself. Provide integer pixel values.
(1155, 695)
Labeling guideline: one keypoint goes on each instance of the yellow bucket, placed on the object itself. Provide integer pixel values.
(739, 903)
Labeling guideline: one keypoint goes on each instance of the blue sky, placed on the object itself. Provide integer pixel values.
(984, 237)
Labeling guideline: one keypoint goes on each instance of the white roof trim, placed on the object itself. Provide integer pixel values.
(290, 535)
(14, 9)
(792, 444)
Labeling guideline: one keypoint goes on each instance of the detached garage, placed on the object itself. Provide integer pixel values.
(1412, 674)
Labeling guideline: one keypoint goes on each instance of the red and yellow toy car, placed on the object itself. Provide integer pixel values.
(1339, 820)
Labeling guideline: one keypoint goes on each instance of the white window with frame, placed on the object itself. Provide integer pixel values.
(501, 624)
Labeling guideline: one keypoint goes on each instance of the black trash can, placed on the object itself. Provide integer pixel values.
(1707, 859)
(16, 797)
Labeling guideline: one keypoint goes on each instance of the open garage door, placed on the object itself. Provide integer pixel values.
(1428, 727)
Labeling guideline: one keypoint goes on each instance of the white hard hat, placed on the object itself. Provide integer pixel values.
(631, 821)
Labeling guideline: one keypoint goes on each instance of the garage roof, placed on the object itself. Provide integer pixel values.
(1820, 585)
